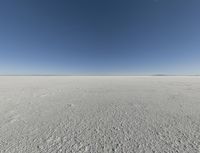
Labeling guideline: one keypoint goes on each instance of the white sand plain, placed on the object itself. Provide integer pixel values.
(58, 114)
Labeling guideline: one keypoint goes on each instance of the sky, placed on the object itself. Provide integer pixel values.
(83, 37)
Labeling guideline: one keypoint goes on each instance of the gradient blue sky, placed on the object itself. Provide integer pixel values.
(100, 37)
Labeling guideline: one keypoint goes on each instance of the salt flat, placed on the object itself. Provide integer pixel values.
(52, 114)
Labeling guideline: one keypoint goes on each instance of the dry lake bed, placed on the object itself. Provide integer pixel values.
(99, 114)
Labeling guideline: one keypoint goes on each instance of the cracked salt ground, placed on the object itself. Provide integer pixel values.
(99, 114)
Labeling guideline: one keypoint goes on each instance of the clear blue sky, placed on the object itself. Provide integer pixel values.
(100, 37)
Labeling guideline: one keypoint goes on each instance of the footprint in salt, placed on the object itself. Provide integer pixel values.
(70, 105)
(12, 117)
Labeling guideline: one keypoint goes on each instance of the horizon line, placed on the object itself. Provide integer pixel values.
(99, 75)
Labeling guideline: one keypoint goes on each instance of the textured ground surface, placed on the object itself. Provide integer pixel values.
(99, 114)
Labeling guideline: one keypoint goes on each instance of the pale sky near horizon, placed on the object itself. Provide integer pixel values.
(100, 37)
